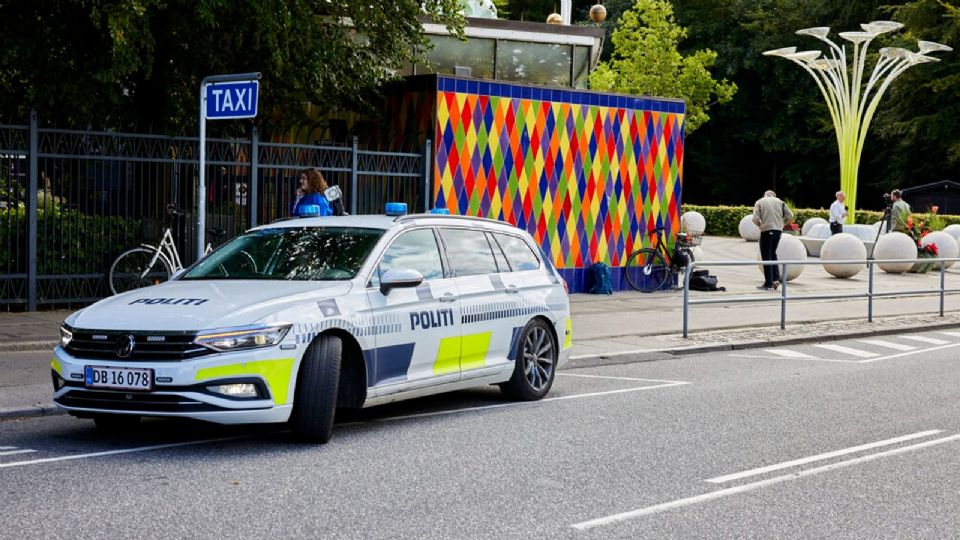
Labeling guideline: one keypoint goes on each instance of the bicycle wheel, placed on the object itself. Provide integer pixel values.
(129, 271)
(646, 270)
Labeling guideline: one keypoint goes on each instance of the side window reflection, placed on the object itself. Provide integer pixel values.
(414, 250)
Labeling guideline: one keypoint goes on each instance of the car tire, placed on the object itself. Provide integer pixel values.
(117, 424)
(315, 399)
(535, 363)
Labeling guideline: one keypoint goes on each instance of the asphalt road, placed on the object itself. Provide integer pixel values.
(799, 442)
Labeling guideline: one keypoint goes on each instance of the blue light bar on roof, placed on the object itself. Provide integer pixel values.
(396, 208)
(442, 211)
(309, 210)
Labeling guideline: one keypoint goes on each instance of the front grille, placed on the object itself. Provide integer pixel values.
(155, 346)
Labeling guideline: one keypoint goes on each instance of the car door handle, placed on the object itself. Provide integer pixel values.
(512, 289)
(448, 298)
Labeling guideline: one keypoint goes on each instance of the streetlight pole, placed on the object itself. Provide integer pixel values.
(851, 101)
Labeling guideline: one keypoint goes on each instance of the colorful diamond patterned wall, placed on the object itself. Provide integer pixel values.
(587, 174)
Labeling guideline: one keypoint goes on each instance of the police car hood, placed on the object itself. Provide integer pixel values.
(197, 305)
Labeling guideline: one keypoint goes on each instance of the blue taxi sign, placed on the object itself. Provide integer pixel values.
(234, 99)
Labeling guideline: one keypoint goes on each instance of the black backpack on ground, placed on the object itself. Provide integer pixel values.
(701, 280)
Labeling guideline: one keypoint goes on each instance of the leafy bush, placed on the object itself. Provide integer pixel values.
(725, 220)
(69, 242)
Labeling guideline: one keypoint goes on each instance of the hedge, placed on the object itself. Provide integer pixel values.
(70, 242)
(725, 220)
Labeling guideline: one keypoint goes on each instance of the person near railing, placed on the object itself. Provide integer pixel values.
(770, 214)
(838, 213)
(899, 212)
(310, 192)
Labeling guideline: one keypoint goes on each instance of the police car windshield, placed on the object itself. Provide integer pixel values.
(299, 254)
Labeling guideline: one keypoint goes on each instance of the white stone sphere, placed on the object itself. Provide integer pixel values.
(808, 224)
(843, 246)
(790, 249)
(749, 231)
(698, 254)
(947, 247)
(693, 223)
(895, 245)
(953, 230)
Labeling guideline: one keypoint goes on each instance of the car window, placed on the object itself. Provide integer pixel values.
(519, 254)
(290, 253)
(414, 250)
(498, 255)
(468, 252)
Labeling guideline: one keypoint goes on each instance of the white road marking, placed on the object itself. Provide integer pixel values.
(15, 452)
(925, 339)
(787, 353)
(847, 350)
(911, 353)
(813, 358)
(613, 378)
(679, 503)
(528, 403)
(951, 334)
(121, 451)
(820, 457)
(888, 344)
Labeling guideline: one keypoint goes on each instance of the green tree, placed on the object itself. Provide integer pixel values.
(138, 63)
(646, 60)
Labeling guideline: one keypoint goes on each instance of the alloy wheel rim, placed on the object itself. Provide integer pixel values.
(538, 358)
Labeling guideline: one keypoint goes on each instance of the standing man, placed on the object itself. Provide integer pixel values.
(899, 212)
(770, 214)
(838, 214)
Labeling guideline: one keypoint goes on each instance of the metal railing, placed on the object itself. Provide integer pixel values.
(72, 200)
(783, 297)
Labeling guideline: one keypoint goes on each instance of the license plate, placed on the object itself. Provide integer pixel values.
(118, 378)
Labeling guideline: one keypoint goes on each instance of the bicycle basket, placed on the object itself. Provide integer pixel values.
(689, 239)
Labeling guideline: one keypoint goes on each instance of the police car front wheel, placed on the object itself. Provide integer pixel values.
(536, 361)
(315, 399)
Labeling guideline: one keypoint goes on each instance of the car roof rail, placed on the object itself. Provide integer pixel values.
(411, 217)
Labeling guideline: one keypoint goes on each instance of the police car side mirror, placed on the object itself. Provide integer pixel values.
(399, 278)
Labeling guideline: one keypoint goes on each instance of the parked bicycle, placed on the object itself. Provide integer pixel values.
(649, 269)
(152, 264)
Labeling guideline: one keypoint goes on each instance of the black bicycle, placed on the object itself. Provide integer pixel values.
(649, 269)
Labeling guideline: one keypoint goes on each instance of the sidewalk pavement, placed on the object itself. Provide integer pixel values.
(627, 326)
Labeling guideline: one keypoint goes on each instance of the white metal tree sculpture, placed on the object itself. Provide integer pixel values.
(851, 100)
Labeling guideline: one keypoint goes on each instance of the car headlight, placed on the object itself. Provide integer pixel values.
(65, 336)
(246, 337)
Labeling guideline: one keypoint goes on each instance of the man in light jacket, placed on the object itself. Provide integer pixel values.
(770, 214)
(838, 214)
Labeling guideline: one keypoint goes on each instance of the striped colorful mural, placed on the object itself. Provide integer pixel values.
(587, 174)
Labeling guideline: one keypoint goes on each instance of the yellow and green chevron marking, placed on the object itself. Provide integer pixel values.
(462, 353)
(275, 372)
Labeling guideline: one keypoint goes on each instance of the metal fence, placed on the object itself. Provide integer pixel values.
(870, 294)
(71, 201)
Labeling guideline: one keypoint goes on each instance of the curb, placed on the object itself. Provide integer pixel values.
(28, 346)
(30, 411)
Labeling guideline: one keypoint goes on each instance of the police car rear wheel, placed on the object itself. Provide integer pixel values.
(116, 423)
(315, 399)
(536, 360)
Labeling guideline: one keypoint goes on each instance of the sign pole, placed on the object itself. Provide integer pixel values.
(238, 100)
(201, 178)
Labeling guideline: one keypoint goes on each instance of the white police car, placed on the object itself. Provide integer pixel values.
(292, 320)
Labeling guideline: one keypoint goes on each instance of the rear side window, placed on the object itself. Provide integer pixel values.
(519, 254)
(468, 252)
